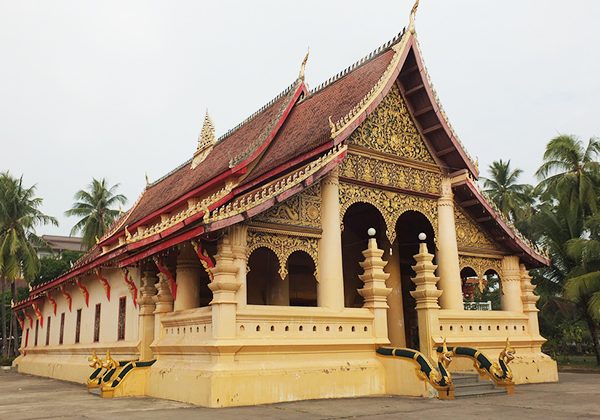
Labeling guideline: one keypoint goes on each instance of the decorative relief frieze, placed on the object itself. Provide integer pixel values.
(390, 204)
(283, 246)
(391, 174)
(469, 235)
(481, 265)
(303, 209)
(390, 129)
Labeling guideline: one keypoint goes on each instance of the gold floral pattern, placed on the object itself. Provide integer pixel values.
(390, 129)
(469, 235)
(303, 209)
(391, 174)
(480, 264)
(390, 204)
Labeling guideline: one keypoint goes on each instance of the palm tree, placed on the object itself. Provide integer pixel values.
(514, 200)
(19, 215)
(583, 285)
(571, 171)
(95, 206)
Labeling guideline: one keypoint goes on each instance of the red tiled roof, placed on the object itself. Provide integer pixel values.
(307, 126)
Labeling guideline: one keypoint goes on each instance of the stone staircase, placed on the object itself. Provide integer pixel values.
(470, 385)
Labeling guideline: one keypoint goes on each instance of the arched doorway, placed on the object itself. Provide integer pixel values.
(408, 227)
(302, 281)
(264, 285)
(357, 220)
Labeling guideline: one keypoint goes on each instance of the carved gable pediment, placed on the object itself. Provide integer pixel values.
(391, 129)
(471, 236)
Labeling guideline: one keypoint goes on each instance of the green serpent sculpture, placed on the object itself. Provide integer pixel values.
(499, 372)
(439, 378)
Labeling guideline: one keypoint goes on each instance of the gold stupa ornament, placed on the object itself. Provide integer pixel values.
(206, 141)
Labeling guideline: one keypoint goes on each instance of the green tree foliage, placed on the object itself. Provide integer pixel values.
(96, 208)
(513, 199)
(19, 216)
(52, 267)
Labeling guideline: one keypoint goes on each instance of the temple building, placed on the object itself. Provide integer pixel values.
(291, 257)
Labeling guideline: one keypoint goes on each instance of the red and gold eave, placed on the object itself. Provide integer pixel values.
(291, 133)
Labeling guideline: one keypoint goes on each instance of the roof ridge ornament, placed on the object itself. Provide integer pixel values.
(303, 65)
(413, 13)
(206, 141)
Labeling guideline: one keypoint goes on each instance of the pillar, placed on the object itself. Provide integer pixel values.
(188, 273)
(239, 246)
(224, 287)
(164, 303)
(146, 317)
(395, 315)
(447, 256)
(529, 300)
(374, 291)
(330, 290)
(426, 294)
(511, 285)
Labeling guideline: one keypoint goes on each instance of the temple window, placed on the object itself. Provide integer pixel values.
(302, 281)
(62, 328)
(97, 323)
(37, 327)
(48, 331)
(78, 326)
(27, 337)
(121, 318)
(480, 293)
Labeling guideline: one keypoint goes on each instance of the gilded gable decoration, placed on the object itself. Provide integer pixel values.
(390, 204)
(302, 210)
(391, 174)
(470, 235)
(206, 141)
(390, 129)
(283, 246)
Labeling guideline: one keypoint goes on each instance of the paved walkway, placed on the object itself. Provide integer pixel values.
(576, 396)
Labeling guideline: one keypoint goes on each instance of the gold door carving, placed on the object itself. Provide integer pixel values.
(283, 245)
(390, 129)
(390, 204)
(377, 171)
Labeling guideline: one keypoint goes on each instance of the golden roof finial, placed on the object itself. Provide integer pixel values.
(303, 65)
(206, 141)
(147, 179)
(413, 13)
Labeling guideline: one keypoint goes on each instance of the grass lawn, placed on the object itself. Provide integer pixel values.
(568, 362)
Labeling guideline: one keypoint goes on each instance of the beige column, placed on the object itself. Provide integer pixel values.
(330, 290)
(395, 315)
(164, 303)
(224, 287)
(426, 294)
(239, 246)
(374, 291)
(447, 256)
(511, 284)
(188, 278)
(146, 318)
(529, 300)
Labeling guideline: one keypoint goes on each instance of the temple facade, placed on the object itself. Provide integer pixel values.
(282, 260)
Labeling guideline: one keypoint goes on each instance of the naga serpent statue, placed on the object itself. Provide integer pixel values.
(499, 372)
(439, 378)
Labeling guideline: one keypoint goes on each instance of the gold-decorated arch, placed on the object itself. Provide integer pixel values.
(390, 204)
(284, 245)
(480, 265)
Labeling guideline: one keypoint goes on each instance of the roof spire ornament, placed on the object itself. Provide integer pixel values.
(303, 65)
(206, 141)
(413, 13)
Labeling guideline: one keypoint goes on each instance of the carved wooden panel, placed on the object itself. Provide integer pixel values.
(303, 209)
(469, 235)
(480, 264)
(390, 129)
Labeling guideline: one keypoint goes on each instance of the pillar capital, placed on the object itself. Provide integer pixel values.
(163, 299)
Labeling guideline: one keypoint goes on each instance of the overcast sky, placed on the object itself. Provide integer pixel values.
(119, 88)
